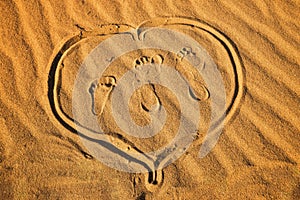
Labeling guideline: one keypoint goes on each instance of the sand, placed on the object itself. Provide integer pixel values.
(254, 44)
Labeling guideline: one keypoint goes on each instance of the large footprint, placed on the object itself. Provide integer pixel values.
(147, 96)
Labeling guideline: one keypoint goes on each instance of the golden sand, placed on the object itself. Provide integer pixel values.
(43, 44)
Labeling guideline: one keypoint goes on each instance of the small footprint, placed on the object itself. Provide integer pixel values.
(100, 91)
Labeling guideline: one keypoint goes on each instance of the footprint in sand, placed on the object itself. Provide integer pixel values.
(99, 91)
(149, 99)
(198, 91)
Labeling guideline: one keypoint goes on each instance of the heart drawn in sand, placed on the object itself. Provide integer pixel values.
(125, 70)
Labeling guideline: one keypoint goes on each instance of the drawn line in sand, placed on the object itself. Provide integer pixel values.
(126, 150)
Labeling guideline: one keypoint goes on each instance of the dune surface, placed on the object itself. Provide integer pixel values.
(254, 45)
